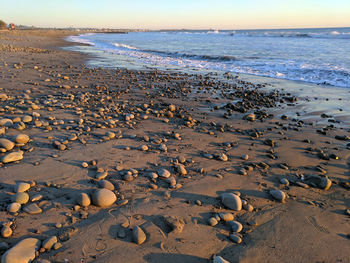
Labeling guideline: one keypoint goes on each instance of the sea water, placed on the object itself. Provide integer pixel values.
(320, 56)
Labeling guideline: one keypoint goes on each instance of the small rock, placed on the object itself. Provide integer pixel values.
(235, 238)
(235, 226)
(21, 187)
(83, 199)
(6, 231)
(13, 207)
(49, 242)
(21, 198)
(12, 157)
(138, 236)
(32, 209)
(226, 216)
(219, 259)
(279, 195)
(164, 173)
(6, 144)
(231, 201)
(106, 184)
(22, 138)
(103, 198)
(212, 221)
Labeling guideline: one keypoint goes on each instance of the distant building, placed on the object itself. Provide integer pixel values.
(12, 26)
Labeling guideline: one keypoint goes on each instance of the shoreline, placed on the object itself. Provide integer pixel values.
(95, 128)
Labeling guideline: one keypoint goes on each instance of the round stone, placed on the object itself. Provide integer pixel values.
(21, 187)
(32, 209)
(21, 198)
(235, 226)
(7, 144)
(103, 198)
(226, 216)
(164, 173)
(83, 199)
(106, 184)
(13, 207)
(12, 157)
(279, 195)
(235, 238)
(231, 201)
(6, 231)
(22, 138)
(212, 221)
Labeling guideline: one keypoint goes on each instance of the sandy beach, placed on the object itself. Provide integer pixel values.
(106, 165)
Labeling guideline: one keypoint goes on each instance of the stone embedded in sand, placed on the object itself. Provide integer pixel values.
(101, 175)
(143, 148)
(22, 138)
(6, 122)
(231, 201)
(12, 157)
(235, 238)
(21, 187)
(83, 199)
(318, 181)
(23, 252)
(21, 198)
(223, 157)
(3, 96)
(32, 209)
(138, 236)
(6, 231)
(171, 107)
(106, 184)
(235, 226)
(219, 259)
(7, 144)
(250, 117)
(103, 198)
(181, 169)
(226, 216)
(27, 118)
(13, 207)
(212, 221)
(278, 195)
(164, 173)
(49, 242)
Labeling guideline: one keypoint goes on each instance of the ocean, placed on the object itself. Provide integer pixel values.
(320, 56)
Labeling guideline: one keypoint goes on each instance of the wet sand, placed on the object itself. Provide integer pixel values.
(93, 129)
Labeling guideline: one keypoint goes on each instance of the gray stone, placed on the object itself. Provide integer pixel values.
(138, 236)
(231, 201)
(279, 195)
(32, 209)
(103, 198)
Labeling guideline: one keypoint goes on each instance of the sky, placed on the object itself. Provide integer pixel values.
(178, 14)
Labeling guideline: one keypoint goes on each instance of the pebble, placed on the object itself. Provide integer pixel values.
(22, 138)
(12, 157)
(318, 181)
(6, 231)
(21, 187)
(106, 184)
(103, 198)
(279, 195)
(49, 242)
(21, 198)
(284, 181)
(23, 252)
(226, 216)
(223, 157)
(101, 175)
(212, 221)
(164, 173)
(181, 169)
(6, 144)
(138, 236)
(235, 226)
(143, 148)
(250, 117)
(84, 164)
(235, 238)
(231, 201)
(13, 207)
(83, 199)
(32, 209)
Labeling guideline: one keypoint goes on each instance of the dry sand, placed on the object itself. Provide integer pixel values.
(76, 117)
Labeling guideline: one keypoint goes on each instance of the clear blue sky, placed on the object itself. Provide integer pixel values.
(196, 14)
